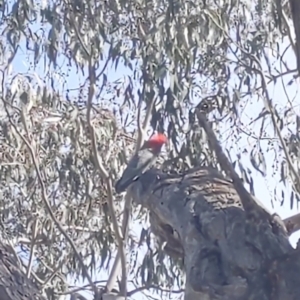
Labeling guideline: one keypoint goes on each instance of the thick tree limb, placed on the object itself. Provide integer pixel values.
(226, 254)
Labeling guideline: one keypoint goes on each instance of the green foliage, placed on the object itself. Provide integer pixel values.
(174, 54)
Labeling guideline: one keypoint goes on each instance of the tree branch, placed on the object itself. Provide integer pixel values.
(252, 208)
(292, 224)
(104, 173)
(34, 234)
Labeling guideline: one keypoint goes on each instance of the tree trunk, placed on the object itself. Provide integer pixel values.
(227, 253)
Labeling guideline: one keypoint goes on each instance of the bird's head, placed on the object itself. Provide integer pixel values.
(156, 142)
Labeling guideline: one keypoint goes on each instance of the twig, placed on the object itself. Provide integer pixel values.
(54, 273)
(128, 200)
(153, 286)
(34, 233)
(271, 109)
(82, 288)
(59, 275)
(141, 127)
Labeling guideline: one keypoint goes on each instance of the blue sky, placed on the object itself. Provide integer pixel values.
(264, 186)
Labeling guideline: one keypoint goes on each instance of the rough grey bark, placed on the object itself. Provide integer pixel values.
(227, 254)
(14, 284)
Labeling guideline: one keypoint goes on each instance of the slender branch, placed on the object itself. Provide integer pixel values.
(49, 268)
(34, 233)
(153, 286)
(104, 173)
(54, 272)
(76, 289)
(142, 126)
(120, 258)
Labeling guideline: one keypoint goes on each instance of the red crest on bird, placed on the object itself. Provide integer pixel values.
(156, 141)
